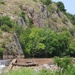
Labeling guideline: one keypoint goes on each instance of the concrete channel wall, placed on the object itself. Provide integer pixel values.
(39, 61)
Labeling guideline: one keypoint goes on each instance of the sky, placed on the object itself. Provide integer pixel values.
(69, 5)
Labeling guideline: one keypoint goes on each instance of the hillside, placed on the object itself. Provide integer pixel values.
(29, 13)
(37, 11)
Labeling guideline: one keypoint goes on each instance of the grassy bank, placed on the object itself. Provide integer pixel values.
(29, 71)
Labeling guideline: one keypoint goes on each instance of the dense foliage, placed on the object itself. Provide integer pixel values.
(71, 17)
(6, 20)
(46, 2)
(44, 42)
(6, 25)
(63, 63)
(1, 53)
(61, 6)
(72, 48)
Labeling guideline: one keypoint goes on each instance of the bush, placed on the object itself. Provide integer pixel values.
(42, 42)
(23, 16)
(5, 28)
(71, 51)
(6, 20)
(71, 17)
(46, 2)
(1, 2)
(63, 64)
(72, 31)
(50, 8)
(61, 6)
(1, 53)
(1, 50)
(30, 23)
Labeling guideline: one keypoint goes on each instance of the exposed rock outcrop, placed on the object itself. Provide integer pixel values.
(13, 49)
(42, 17)
(38, 13)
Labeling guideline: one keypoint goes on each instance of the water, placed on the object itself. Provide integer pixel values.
(2, 67)
(4, 62)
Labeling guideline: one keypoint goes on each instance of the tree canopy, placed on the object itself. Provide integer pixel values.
(42, 42)
(61, 6)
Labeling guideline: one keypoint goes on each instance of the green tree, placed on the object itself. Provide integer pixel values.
(51, 43)
(36, 41)
(46, 2)
(44, 42)
(61, 6)
(1, 53)
(31, 41)
(63, 64)
(24, 40)
(64, 40)
(71, 50)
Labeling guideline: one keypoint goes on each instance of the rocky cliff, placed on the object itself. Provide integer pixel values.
(25, 12)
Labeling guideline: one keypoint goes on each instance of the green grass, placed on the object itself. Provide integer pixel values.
(22, 71)
(30, 71)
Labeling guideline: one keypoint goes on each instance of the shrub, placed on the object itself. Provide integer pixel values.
(46, 2)
(61, 6)
(50, 8)
(6, 20)
(70, 17)
(5, 28)
(72, 31)
(71, 51)
(31, 23)
(1, 2)
(63, 63)
(1, 52)
(23, 15)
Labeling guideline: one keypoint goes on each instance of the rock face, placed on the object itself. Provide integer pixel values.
(39, 13)
(42, 17)
(13, 49)
(21, 22)
(37, 17)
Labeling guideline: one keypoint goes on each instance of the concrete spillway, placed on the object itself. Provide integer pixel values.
(3, 65)
(4, 62)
